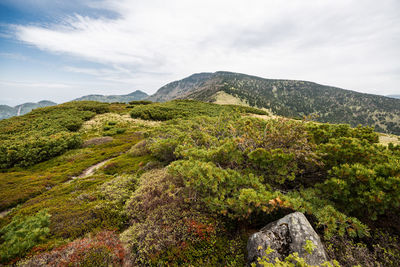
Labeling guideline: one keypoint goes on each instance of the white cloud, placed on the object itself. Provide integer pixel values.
(347, 43)
(34, 84)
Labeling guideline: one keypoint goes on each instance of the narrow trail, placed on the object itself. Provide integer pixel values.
(89, 171)
(4, 213)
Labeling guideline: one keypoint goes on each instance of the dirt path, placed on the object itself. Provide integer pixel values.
(89, 171)
(4, 213)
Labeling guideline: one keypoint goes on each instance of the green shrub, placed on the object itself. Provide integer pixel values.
(169, 229)
(140, 102)
(274, 163)
(214, 176)
(22, 234)
(239, 167)
(279, 150)
(365, 191)
(30, 151)
(44, 133)
(222, 190)
(184, 109)
(349, 150)
(292, 260)
(322, 132)
(120, 130)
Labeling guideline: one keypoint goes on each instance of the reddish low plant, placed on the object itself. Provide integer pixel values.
(200, 230)
(105, 249)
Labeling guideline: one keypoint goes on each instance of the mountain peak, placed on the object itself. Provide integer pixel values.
(138, 92)
(290, 98)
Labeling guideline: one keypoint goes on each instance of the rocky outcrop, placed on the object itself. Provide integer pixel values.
(286, 236)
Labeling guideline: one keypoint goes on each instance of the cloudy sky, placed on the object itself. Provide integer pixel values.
(59, 50)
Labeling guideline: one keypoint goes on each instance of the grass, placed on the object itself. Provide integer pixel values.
(89, 204)
(385, 139)
(187, 108)
(223, 98)
(77, 206)
(19, 185)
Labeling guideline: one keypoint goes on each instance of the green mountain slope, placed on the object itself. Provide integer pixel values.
(134, 96)
(182, 88)
(185, 183)
(291, 98)
(7, 111)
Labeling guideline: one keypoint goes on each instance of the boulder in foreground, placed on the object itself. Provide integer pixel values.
(286, 236)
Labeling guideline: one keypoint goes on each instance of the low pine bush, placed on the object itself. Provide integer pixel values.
(44, 133)
(22, 234)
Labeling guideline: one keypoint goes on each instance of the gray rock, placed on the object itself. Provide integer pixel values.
(286, 236)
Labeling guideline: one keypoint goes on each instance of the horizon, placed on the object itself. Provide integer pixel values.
(61, 50)
(127, 93)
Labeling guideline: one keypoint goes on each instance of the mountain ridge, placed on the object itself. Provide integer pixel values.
(290, 98)
(136, 95)
(21, 109)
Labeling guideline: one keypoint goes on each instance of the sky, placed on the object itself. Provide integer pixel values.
(59, 50)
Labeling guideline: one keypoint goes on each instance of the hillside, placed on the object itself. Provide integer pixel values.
(7, 111)
(187, 183)
(290, 98)
(134, 96)
(181, 88)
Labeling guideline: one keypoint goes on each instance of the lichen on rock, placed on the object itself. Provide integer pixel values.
(284, 237)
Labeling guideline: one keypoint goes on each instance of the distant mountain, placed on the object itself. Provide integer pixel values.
(289, 98)
(181, 88)
(137, 95)
(7, 111)
(394, 96)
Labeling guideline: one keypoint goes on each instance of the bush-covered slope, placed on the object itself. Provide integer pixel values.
(43, 133)
(291, 98)
(186, 109)
(186, 183)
